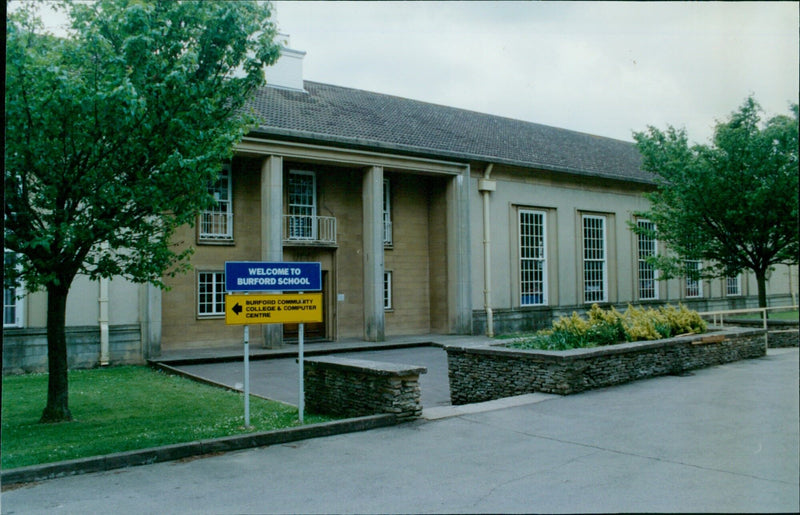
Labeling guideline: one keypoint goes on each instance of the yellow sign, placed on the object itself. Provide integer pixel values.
(273, 309)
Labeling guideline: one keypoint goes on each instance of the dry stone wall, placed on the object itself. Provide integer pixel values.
(784, 338)
(485, 373)
(781, 333)
(355, 388)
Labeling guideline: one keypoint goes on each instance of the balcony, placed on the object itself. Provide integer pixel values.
(216, 225)
(387, 233)
(309, 230)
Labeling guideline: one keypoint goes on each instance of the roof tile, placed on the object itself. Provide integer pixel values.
(365, 119)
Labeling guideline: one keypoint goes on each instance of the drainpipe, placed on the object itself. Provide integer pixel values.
(103, 321)
(486, 186)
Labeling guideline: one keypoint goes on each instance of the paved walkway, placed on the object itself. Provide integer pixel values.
(273, 372)
(721, 439)
(277, 378)
(196, 356)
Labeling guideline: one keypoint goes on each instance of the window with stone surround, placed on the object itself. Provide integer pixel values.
(13, 304)
(302, 205)
(733, 286)
(216, 224)
(387, 213)
(532, 257)
(595, 264)
(647, 247)
(210, 293)
(694, 285)
(387, 290)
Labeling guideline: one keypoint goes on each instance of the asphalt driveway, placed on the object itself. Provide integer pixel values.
(722, 439)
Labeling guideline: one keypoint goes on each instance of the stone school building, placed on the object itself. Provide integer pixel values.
(425, 219)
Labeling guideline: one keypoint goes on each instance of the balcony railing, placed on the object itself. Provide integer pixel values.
(216, 225)
(301, 229)
(387, 232)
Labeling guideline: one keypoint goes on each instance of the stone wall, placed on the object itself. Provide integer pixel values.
(780, 333)
(485, 373)
(25, 350)
(356, 388)
(783, 338)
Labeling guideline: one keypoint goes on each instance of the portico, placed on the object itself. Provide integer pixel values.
(363, 233)
(390, 231)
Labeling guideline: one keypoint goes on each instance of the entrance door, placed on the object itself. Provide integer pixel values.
(313, 331)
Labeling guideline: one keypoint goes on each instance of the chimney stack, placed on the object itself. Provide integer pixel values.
(287, 72)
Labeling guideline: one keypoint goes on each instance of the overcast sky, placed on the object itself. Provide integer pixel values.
(603, 68)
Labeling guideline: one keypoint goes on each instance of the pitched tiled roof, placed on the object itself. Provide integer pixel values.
(362, 119)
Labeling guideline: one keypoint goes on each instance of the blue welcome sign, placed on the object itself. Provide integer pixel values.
(272, 276)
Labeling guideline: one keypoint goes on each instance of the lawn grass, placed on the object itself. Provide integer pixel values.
(125, 408)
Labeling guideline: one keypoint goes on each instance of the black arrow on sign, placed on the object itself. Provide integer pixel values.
(237, 308)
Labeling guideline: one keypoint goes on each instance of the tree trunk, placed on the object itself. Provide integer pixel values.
(57, 409)
(761, 281)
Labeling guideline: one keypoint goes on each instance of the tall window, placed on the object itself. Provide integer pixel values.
(387, 213)
(595, 282)
(210, 293)
(532, 258)
(387, 290)
(694, 286)
(12, 306)
(217, 222)
(647, 245)
(733, 285)
(302, 205)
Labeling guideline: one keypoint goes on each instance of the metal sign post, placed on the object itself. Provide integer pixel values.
(247, 376)
(301, 401)
(251, 276)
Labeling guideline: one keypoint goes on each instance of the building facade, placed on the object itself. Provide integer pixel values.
(425, 219)
(108, 322)
(389, 232)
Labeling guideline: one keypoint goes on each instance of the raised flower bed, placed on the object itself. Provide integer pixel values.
(480, 374)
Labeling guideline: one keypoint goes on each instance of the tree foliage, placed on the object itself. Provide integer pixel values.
(732, 203)
(114, 132)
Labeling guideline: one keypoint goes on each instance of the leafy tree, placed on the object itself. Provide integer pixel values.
(113, 134)
(732, 203)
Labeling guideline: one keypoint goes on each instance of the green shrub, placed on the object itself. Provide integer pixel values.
(664, 329)
(574, 324)
(641, 324)
(543, 340)
(607, 327)
(560, 340)
(603, 333)
(683, 320)
(553, 340)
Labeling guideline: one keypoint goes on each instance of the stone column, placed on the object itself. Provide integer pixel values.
(372, 198)
(459, 291)
(272, 231)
